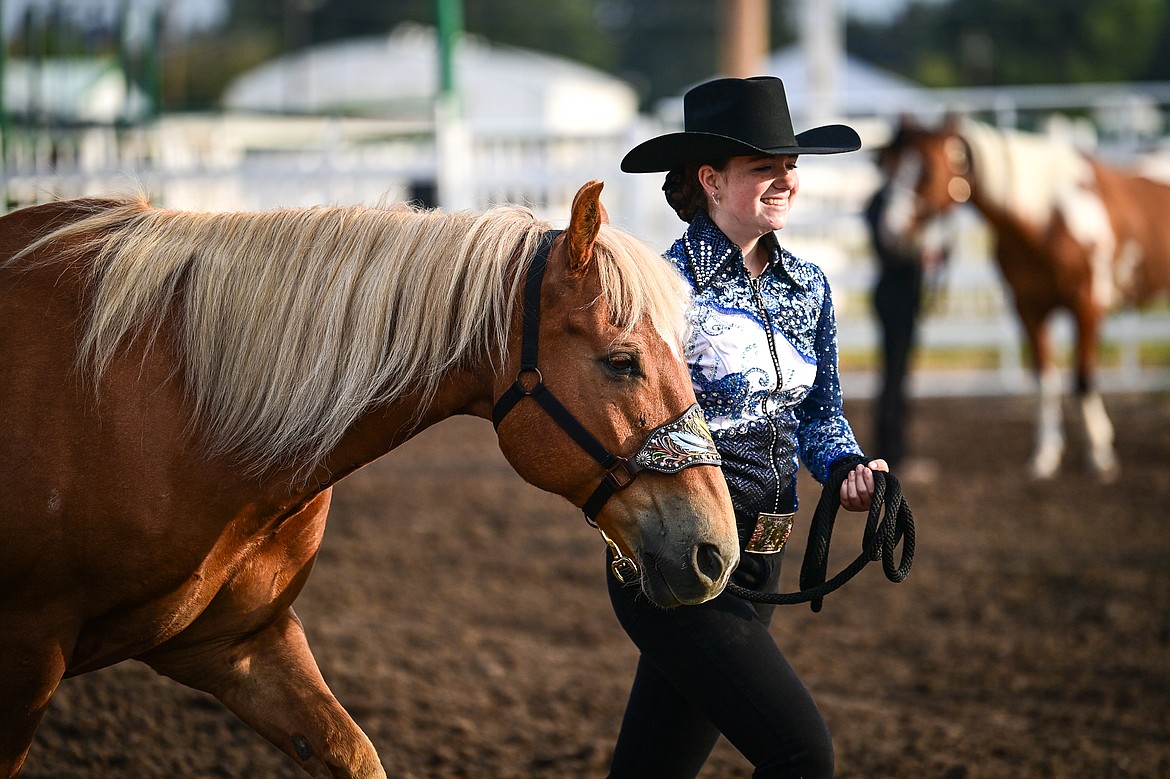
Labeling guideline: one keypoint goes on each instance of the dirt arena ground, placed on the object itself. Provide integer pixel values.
(460, 616)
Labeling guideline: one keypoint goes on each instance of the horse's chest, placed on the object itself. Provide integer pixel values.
(1050, 266)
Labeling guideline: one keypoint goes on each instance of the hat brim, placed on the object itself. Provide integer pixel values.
(673, 150)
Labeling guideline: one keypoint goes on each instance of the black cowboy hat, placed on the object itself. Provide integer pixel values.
(730, 117)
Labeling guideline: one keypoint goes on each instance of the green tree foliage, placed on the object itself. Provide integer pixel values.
(565, 27)
(664, 46)
(552, 25)
(196, 73)
(302, 23)
(996, 42)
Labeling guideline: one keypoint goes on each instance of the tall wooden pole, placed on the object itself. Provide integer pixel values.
(5, 125)
(3, 97)
(153, 75)
(450, 13)
(745, 39)
(452, 137)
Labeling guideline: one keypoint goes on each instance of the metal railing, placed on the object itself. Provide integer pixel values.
(253, 163)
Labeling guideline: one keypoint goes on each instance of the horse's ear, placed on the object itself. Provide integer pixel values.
(585, 220)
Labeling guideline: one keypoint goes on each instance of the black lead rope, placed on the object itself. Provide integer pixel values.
(883, 532)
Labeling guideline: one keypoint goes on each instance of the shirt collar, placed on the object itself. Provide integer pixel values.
(711, 253)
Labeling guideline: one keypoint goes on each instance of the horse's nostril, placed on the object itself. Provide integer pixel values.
(709, 563)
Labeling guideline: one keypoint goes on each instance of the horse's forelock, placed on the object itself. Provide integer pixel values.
(637, 283)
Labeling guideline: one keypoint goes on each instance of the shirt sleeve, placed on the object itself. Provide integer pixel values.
(823, 433)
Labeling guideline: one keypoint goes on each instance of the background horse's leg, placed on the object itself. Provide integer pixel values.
(1049, 446)
(271, 681)
(1098, 427)
(29, 676)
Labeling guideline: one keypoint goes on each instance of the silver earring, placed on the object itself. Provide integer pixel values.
(715, 197)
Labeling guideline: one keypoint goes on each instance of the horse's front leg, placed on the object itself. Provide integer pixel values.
(1049, 442)
(31, 667)
(1098, 427)
(270, 680)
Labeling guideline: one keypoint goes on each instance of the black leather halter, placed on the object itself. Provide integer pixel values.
(669, 448)
(619, 472)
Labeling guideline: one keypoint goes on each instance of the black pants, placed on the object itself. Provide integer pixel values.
(711, 669)
(897, 298)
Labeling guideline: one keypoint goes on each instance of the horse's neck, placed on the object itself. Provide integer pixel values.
(387, 426)
(1022, 178)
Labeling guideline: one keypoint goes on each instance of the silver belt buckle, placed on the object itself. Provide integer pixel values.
(771, 531)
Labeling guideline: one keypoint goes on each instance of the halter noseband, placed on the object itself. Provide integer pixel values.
(669, 448)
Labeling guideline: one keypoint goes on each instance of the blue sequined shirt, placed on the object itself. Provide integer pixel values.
(763, 360)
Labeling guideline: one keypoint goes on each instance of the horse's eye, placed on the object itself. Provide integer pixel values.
(623, 364)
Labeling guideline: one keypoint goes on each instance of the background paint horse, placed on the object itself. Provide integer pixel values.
(1070, 233)
(181, 391)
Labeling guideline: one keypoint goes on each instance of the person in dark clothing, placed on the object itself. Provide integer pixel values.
(763, 361)
(903, 262)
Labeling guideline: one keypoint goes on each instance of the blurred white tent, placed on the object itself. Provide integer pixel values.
(502, 89)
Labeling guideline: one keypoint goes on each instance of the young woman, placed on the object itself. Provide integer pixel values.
(763, 358)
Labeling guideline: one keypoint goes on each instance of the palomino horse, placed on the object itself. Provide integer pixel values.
(1070, 233)
(181, 391)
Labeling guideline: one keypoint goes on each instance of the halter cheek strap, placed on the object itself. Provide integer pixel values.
(530, 343)
(619, 472)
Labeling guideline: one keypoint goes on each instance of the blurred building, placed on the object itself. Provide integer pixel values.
(502, 89)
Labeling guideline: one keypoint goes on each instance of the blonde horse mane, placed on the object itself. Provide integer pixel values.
(292, 323)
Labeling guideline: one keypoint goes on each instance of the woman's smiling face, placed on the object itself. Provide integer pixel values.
(752, 194)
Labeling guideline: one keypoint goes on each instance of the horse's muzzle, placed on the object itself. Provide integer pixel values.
(703, 575)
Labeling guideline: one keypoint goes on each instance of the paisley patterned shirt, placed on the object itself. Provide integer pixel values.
(763, 360)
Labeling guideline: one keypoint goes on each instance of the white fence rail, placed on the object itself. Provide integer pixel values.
(251, 163)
